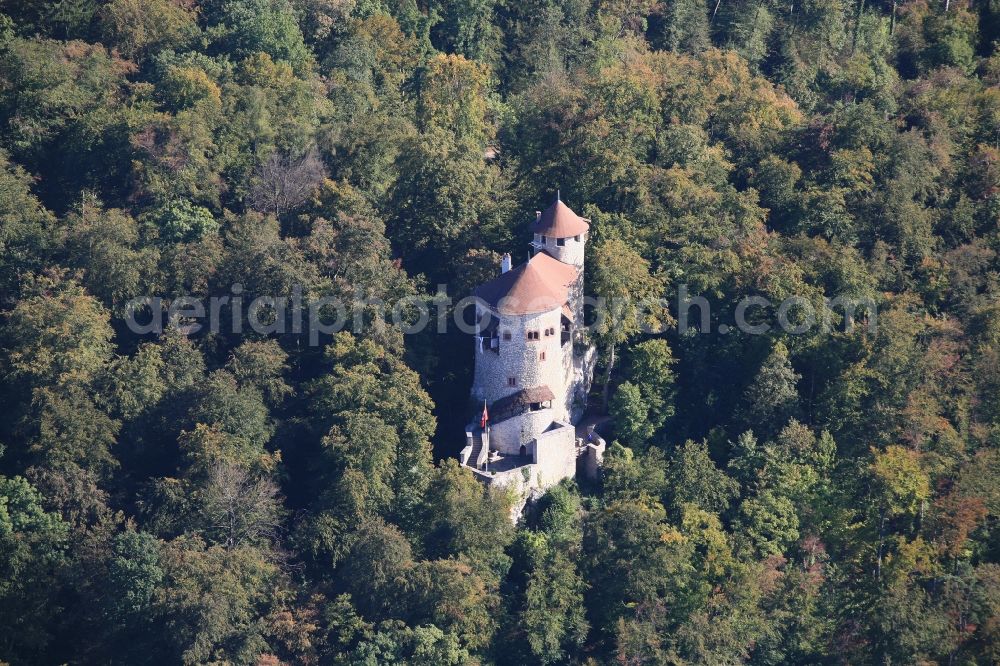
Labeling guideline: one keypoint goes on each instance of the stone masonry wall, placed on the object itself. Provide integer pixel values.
(570, 253)
(508, 436)
(520, 358)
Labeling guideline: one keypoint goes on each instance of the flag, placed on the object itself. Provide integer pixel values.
(485, 417)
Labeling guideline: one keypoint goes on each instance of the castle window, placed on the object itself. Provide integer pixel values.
(506, 336)
(545, 240)
(541, 356)
(532, 335)
(576, 238)
(560, 242)
(512, 381)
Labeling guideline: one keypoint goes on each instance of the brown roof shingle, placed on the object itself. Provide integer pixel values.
(559, 221)
(520, 402)
(540, 285)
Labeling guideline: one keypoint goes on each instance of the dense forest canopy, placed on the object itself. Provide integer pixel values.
(227, 496)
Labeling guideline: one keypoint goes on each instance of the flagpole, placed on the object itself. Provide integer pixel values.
(486, 434)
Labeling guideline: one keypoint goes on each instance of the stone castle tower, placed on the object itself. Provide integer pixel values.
(533, 370)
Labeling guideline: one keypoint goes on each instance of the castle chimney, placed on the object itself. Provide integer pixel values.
(505, 263)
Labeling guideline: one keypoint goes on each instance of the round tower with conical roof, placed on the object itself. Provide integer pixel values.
(562, 234)
(524, 332)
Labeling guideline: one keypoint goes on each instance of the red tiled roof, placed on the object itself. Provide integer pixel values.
(539, 285)
(559, 221)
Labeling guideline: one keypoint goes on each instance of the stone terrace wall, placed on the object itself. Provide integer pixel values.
(554, 452)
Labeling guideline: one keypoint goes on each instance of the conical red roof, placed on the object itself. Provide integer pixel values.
(559, 221)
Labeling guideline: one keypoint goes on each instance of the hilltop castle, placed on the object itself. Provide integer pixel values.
(533, 367)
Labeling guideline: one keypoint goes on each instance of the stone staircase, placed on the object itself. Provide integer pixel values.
(477, 457)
